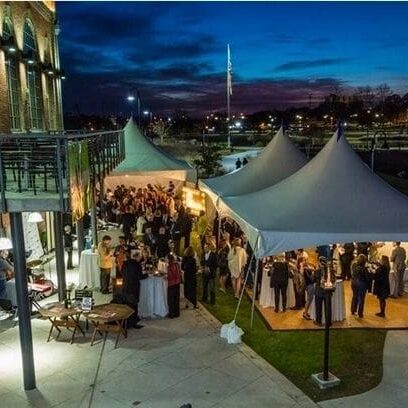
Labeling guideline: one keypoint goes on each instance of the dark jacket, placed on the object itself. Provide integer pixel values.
(359, 275)
(186, 225)
(362, 248)
(223, 258)
(309, 276)
(162, 245)
(348, 248)
(132, 275)
(128, 221)
(382, 282)
(279, 274)
(68, 240)
(211, 264)
(175, 230)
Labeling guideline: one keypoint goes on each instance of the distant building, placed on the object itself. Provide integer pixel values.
(30, 75)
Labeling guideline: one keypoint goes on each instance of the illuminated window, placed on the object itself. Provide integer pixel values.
(33, 77)
(13, 87)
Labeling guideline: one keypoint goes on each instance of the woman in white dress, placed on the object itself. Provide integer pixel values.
(237, 259)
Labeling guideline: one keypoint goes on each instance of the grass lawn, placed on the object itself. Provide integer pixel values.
(355, 355)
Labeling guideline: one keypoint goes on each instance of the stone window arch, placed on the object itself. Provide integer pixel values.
(12, 74)
(30, 55)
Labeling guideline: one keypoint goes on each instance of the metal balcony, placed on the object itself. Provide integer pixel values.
(35, 172)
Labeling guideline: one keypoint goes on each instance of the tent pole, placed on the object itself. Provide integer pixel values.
(243, 289)
(254, 291)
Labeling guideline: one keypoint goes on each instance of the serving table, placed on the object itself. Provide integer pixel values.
(89, 272)
(153, 297)
(267, 295)
(109, 318)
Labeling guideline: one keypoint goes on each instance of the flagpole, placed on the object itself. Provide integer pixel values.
(228, 94)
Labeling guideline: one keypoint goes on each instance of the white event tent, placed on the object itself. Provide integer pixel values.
(333, 198)
(146, 163)
(278, 160)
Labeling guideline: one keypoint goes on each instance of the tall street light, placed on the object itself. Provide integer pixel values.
(131, 98)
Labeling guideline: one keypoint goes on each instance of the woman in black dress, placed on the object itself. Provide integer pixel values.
(382, 283)
(189, 268)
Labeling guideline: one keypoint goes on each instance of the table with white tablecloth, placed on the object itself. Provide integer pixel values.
(153, 297)
(338, 304)
(267, 296)
(89, 272)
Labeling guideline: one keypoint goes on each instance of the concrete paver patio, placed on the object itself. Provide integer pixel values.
(168, 363)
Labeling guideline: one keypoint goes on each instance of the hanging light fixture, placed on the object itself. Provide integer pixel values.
(5, 243)
(35, 217)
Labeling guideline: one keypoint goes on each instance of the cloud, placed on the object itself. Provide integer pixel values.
(305, 64)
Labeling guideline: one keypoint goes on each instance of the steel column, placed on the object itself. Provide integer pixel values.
(80, 236)
(59, 254)
(23, 304)
(94, 219)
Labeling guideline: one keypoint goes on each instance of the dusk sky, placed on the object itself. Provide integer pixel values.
(174, 53)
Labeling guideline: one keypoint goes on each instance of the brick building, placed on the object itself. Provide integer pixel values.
(30, 75)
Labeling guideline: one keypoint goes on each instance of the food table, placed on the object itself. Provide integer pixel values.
(338, 304)
(89, 272)
(267, 296)
(109, 318)
(59, 316)
(153, 297)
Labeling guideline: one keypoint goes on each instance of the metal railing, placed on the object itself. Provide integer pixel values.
(37, 165)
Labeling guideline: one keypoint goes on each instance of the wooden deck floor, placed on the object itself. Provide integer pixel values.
(396, 315)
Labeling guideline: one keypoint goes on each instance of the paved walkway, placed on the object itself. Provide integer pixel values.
(166, 364)
(228, 162)
(392, 392)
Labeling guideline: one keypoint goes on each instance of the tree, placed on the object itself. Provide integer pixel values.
(208, 161)
(161, 129)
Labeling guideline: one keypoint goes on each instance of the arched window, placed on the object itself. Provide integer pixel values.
(33, 76)
(13, 83)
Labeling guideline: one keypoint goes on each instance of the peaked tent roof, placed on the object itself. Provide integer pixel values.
(333, 198)
(278, 160)
(141, 155)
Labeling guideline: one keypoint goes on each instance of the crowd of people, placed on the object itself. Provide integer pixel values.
(360, 263)
(157, 226)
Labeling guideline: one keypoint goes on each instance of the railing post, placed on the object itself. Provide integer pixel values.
(3, 207)
(59, 254)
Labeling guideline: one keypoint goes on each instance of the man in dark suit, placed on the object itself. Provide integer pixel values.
(279, 282)
(175, 232)
(209, 263)
(165, 219)
(150, 240)
(320, 295)
(132, 275)
(186, 227)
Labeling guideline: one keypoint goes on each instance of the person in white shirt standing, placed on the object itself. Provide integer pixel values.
(237, 259)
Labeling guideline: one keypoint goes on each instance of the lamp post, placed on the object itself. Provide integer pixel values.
(131, 98)
(150, 114)
(327, 284)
